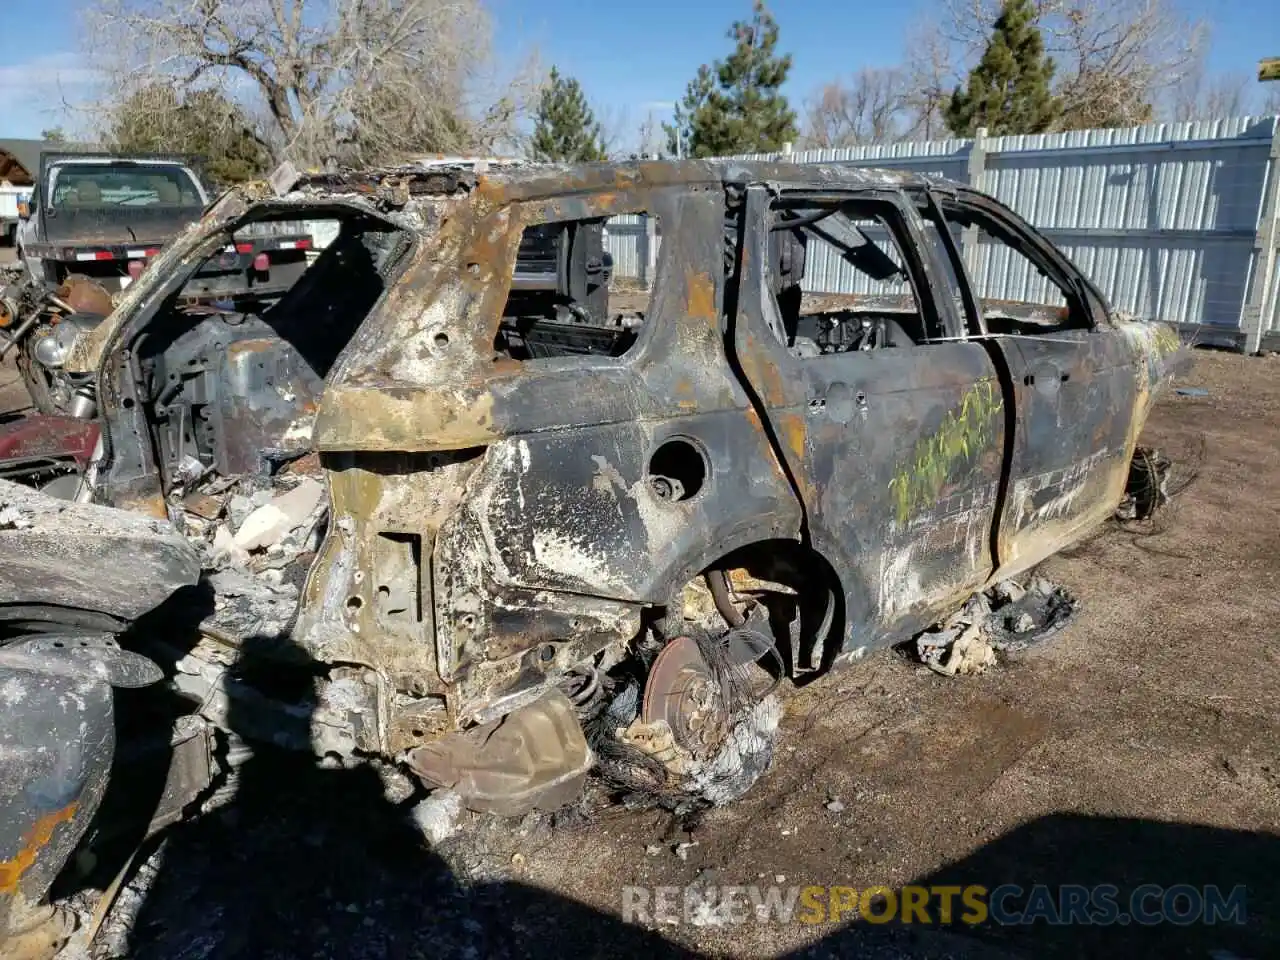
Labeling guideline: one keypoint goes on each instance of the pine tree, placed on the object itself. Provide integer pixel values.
(734, 105)
(1009, 90)
(565, 129)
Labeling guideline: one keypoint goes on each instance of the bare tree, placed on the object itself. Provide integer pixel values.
(1116, 59)
(364, 80)
(930, 78)
(870, 108)
(613, 119)
(650, 139)
(1121, 57)
(1202, 95)
(1271, 102)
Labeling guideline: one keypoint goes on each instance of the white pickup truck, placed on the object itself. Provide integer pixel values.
(105, 216)
(11, 198)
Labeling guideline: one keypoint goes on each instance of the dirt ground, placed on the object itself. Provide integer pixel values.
(1140, 745)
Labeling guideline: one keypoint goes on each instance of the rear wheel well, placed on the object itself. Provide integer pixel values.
(808, 617)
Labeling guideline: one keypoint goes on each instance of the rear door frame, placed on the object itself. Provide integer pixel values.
(1072, 398)
(896, 454)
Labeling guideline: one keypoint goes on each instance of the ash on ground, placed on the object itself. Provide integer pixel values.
(1004, 619)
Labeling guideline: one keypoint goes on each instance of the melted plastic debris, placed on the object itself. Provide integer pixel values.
(11, 518)
(438, 815)
(250, 606)
(742, 759)
(1019, 617)
(256, 544)
(1006, 619)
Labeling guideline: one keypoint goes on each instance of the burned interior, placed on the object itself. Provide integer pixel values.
(559, 303)
(861, 235)
(232, 385)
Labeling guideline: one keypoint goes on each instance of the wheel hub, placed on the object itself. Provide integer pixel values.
(682, 691)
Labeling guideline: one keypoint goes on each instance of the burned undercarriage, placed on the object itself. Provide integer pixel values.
(463, 503)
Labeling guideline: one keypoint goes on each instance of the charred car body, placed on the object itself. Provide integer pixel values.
(84, 575)
(552, 536)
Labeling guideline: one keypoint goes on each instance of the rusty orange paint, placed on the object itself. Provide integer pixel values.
(487, 187)
(795, 437)
(793, 432)
(764, 374)
(701, 292)
(506, 366)
(152, 505)
(262, 345)
(686, 398)
(37, 837)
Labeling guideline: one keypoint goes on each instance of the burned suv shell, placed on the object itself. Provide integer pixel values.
(507, 530)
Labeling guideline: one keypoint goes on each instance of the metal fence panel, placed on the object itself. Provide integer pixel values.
(629, 244)
(1271, 308)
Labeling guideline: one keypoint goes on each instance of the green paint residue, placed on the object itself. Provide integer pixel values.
(1165, 340)
(964, 431)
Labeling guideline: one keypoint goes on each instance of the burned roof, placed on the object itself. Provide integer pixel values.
(513, 180)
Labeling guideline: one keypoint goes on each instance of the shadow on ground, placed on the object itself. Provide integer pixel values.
(309, 862)
(316, 863)
(1075, 850)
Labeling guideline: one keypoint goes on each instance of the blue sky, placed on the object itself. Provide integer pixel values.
(629, 56)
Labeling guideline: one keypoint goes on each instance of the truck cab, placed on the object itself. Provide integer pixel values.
(105, 217)
(93, 214)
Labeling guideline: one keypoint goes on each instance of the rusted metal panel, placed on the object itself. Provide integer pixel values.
(1073, 395)
(40, 438)
(559, 501)
(896, 453)
(56, 740)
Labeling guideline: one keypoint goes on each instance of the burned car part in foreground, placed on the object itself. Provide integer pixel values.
(38, 322)
(73, 577)
(1006, 618)
(503, 531)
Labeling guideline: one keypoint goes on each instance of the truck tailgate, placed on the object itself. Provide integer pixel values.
(116, 224)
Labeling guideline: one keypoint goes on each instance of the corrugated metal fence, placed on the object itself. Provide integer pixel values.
(634, 240)
(1172, 221)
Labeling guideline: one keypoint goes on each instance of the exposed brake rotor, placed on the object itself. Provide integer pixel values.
(682, 691)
